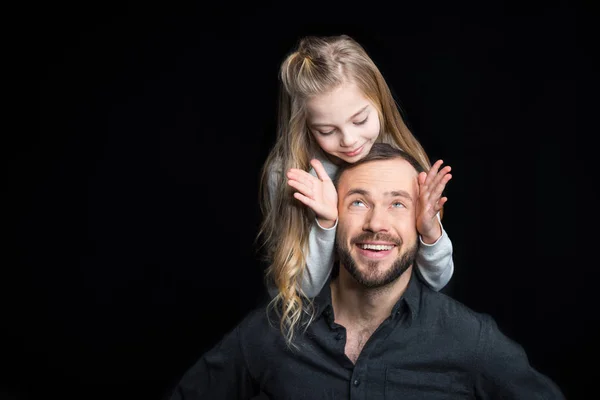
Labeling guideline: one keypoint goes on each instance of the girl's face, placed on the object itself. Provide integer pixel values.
(343, 122)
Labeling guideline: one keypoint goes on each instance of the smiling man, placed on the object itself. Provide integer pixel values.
(378, 332)
(377, 242)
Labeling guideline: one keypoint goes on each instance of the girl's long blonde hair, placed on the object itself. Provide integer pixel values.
(317, 66)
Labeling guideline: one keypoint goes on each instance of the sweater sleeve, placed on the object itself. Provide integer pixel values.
(319, 260)
(321, 244)
(434, 261)
(321, 241)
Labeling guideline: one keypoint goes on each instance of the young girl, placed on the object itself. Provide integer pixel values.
(334, 104)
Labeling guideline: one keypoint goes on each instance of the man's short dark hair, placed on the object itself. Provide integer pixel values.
(380, 152)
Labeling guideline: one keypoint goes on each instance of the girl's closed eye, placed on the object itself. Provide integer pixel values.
(326, 133)
(364, 121)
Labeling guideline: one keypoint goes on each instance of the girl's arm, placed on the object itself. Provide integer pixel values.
(319, 260)
(318, 193)
(434, 261)
(434, 258)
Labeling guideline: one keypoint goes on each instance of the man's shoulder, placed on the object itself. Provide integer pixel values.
(260, 324)
(259, 335)
(256, 318)
(452, 313)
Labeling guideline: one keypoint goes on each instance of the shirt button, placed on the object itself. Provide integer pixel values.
(356, 382)
(339, 336)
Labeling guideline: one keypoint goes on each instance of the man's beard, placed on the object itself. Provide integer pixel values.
(367, 278)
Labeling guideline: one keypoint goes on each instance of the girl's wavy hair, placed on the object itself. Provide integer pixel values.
(317, 65)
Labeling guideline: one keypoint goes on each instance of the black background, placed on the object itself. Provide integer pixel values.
(133, 177)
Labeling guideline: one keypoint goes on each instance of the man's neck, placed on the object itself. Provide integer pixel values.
(355, 305)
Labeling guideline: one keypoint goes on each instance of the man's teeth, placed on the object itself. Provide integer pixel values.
(375, 247)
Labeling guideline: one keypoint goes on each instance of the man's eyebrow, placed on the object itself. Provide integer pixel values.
(393, 193)
(362, 192)
(353, 116)
(399, 193)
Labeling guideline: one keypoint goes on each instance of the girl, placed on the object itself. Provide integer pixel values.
(334, 104)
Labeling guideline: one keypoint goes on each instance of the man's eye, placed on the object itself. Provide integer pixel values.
(397, 204)
(358, 203)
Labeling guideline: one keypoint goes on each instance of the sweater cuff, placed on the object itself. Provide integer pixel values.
(324, 234)
(437, 241)
(327, 229)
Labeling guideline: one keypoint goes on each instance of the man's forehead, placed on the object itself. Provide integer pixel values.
(384, 176)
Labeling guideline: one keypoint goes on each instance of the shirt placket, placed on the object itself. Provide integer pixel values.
(368, 376)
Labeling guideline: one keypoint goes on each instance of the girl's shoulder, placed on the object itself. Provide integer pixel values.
(275, 167)
(329, 167)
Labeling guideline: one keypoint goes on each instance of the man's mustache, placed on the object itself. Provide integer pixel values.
(374, 237)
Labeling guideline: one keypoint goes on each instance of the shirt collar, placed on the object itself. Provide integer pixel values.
(322, 302)
(410, 300)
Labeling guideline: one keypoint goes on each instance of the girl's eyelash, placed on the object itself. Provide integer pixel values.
(356, 123)
(361, 122)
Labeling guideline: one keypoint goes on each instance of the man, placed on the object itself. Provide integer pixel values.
(378, 332)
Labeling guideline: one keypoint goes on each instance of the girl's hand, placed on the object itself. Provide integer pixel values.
(318, 192)
(431, 186)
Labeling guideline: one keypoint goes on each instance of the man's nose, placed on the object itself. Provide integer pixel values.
(377, 220)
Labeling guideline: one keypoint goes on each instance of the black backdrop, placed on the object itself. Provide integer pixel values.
(133, 202)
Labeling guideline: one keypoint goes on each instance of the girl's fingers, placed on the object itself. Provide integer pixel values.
(433, 171)
(320, 170)
(439, 188)
(301, 176)
(307, 201)
(441, 174)
(300, 187)
(439, 204)
(421, 178)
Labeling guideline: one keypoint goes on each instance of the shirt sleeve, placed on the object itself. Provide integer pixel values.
(505, 371)
(434, 261)
(221, 373)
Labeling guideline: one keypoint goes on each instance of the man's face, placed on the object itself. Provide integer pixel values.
(377, 235)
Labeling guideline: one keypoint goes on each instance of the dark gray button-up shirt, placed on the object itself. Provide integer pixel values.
(430, 347)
